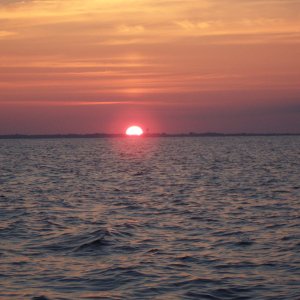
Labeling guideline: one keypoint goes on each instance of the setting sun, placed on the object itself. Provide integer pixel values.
(134, 131)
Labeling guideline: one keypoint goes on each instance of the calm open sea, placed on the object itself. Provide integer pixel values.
(150, 218)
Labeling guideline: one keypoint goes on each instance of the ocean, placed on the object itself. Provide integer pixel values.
(150, 218)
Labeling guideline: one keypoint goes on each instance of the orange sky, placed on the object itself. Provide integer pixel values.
(168, 65)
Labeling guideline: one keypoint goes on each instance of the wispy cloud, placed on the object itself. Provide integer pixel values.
(143, 47)
(5, 34)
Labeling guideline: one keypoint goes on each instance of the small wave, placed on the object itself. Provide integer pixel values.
(68, 242)
(40, 298)
(96, 243)
(244, 243)
(238, 265)
(194, 282)
(195, 295)
(282, 191)
(232, 293)
(188, 258)
(289, 238)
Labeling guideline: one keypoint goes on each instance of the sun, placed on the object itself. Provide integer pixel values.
(134, 131)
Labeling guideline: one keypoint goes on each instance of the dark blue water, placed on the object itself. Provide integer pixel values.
(150, 218)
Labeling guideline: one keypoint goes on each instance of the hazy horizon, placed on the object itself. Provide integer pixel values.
(145, 134)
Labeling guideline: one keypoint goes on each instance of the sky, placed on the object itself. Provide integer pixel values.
(73, 66)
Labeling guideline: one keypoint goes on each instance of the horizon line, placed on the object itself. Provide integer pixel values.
(145, 135)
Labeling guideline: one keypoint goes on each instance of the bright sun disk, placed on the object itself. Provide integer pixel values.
(134, 131)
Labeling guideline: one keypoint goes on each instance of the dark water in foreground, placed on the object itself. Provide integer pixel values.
(161, 218)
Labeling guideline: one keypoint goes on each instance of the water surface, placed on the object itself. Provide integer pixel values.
(150, 218)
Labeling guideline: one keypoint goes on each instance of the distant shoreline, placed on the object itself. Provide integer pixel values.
(147, 135)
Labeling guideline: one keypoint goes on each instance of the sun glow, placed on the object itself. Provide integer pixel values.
(134, 131)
